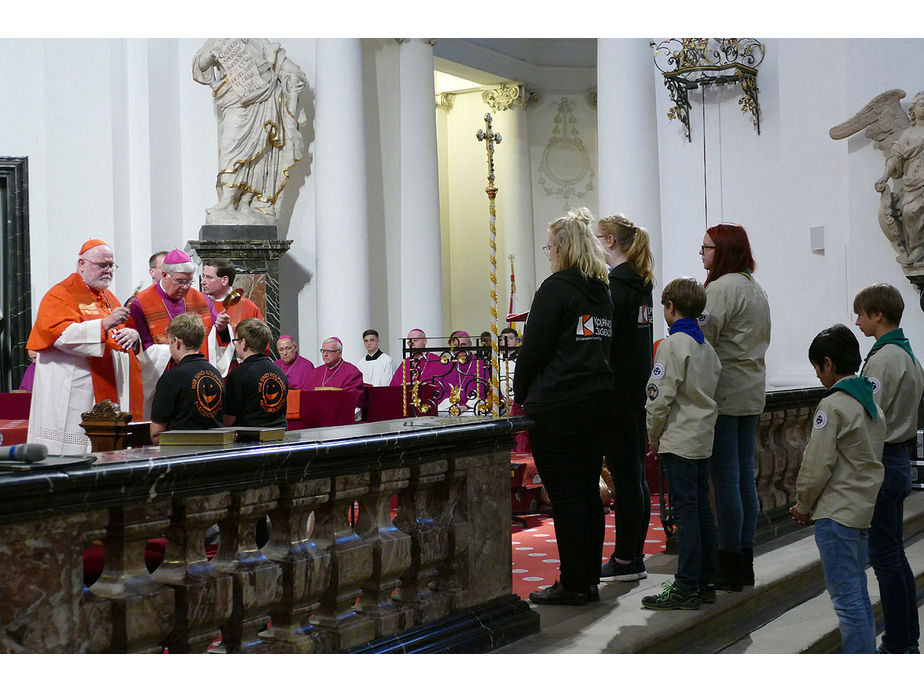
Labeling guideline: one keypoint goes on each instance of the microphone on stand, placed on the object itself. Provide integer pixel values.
(28, 452)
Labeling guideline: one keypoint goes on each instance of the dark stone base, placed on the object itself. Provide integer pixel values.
(237, 232)
(476, 630)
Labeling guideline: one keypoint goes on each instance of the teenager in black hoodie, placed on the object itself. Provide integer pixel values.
(564, 381)
(628, 254)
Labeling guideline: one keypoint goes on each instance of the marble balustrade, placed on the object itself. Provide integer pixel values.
(336, 574)
(782, 433)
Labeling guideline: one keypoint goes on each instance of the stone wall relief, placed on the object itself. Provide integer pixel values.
(901, 186)
(565, 170)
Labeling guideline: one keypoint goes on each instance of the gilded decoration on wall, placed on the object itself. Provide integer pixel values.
(565, 169)
(691, 63)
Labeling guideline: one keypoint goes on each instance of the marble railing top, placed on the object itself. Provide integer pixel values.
(145, 474)
(793, 397)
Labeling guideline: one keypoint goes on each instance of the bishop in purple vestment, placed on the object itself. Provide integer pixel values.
(296, 368)
(335, 372)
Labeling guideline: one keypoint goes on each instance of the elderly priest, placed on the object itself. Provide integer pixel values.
(337, 374)
(86, 345)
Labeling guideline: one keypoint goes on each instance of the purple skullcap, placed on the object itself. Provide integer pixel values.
(417, 329)
(334, 339)
(176, 257)
(286, 336)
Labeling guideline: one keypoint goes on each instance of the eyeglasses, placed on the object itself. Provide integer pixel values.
(104, 265)
(704, 248)
(181, 282)
(330, 351)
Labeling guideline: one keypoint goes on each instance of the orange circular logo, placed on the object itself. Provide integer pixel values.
(208, 388)
(272, 393)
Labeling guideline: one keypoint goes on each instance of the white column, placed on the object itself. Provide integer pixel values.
(421, 274)
(341, 208)
(627, 136)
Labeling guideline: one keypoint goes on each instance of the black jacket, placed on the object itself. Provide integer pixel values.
(564, 357)
(630, 350)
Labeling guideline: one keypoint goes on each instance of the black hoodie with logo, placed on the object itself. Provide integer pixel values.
(630, 350)
(564, 356)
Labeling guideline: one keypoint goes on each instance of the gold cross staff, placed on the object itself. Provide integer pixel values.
(490, 138)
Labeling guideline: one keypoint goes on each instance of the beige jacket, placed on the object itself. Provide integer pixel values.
(841, 467)
(736, 322)
(898, 384)
(681, 409)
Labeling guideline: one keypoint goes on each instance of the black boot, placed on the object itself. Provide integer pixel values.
(746, 572)
(727, 574)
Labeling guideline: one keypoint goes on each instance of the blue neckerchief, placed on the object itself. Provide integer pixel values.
(687, 326)
(896, 337)
(747, 273)
(861, 389)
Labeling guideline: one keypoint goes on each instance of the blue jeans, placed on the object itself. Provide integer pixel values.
(843, 558)
(732, 469)
(887, 553)
(688, 481)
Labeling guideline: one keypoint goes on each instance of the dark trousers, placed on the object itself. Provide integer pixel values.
(897, 586)
(567, 448)
(625, 458)
(688, 481)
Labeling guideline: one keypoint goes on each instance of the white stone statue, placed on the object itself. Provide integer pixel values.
(901, 206)
(256, 89)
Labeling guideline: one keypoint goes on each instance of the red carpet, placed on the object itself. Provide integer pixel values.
(535, 553)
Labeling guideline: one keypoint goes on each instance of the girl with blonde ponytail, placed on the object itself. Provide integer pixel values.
(631, 275)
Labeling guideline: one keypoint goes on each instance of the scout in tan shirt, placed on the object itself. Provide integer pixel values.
(681, 414)
(898, 382)
(839, 480)
(736, 321)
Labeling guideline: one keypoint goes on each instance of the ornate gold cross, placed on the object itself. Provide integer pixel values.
(490, 138)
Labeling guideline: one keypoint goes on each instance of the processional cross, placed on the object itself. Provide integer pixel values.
(490, 138)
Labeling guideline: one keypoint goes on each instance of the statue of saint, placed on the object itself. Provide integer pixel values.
(256, 89)
(901, 137)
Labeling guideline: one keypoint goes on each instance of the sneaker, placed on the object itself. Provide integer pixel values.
(707, 593)
(639, 564)
(672, 598)
(611, 571)
(556, 594)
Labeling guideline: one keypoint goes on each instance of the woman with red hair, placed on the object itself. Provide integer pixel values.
(736, 322)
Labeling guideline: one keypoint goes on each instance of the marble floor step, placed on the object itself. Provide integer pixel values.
(811, 627)
(788, 574)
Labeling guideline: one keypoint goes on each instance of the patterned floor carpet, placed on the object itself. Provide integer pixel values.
(535, 553)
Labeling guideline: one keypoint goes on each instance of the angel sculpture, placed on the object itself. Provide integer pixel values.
(901, 137)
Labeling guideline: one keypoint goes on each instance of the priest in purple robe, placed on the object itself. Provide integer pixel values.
(296, 367)
(419, 367)
(337, 373)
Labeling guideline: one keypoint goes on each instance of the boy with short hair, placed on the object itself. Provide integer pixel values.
(188, 396)
(681, 412)
(255, 391)
(839, 479)
(898, 383)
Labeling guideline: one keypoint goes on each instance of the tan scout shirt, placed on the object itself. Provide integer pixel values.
(898, 384)
(841, 467)
(736, 322)
(681, 411)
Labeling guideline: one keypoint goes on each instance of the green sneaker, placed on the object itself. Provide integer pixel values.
(672, 598)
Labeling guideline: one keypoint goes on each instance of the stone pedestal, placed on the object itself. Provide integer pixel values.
(255, 253)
